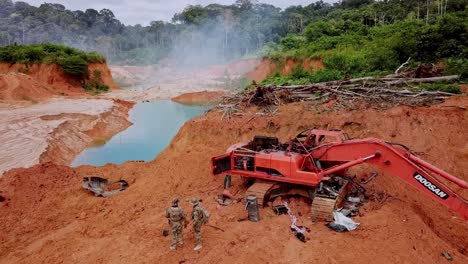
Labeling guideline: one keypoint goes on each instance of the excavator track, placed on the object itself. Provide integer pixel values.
(260, 190)
(322, 209)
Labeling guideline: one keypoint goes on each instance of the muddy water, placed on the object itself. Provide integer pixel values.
(154, 126)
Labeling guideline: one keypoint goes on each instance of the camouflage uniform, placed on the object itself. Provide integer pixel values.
(198, 217)
(177, 221)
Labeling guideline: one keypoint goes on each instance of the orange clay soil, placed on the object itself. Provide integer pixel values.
(37, 82)
(47, 218)
(268, 67)
(199, 97)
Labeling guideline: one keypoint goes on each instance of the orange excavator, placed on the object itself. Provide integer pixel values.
(313, 161)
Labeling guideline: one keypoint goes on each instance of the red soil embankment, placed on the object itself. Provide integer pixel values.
(199, 97)
(71, 137)
(46, 216)
(268, 67)
(41, 81)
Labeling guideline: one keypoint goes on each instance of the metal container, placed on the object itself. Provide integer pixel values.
(252, 208)
(227, 181)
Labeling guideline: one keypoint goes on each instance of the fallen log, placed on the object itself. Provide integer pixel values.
(395, 81)
(385, 80)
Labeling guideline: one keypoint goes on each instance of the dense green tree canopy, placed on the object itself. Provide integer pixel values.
(222, 32)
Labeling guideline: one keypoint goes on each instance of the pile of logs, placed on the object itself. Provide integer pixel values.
(377, 92)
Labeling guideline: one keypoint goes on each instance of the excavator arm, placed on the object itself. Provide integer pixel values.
(397, 161)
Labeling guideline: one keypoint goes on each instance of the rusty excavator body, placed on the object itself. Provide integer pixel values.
(313, 161)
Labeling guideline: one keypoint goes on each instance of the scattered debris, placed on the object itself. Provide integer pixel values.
(280, 209)
(342, 223)
(336, 227)
(102, 187)
(224, 200)
(215, 227)
(447, 255)
(298, 230)
(354, 199)
(381, 92)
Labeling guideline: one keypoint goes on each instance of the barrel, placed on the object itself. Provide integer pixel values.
(252, 208)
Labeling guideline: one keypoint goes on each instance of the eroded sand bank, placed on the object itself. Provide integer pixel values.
(25, 133)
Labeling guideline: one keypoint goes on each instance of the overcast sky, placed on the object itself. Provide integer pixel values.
(132, 12)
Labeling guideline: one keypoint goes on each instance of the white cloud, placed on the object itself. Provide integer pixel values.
(143, 11)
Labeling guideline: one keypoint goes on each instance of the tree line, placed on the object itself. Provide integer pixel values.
(209, 33)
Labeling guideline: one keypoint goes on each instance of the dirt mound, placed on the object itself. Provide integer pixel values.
(268, 67)
(46, 215)
(40, 81)
(199, 97)
(21, 87)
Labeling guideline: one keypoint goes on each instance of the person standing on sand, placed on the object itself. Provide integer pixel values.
(200, 217)
(177, 221)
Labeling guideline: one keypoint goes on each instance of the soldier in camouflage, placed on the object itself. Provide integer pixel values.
(199, 217)
(177, 221)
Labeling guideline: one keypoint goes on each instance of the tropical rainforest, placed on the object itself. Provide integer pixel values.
(352, 37)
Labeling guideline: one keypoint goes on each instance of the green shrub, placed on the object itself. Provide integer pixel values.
(458, 66)
(72, 61)
(74, 66)
(326, 75)
(299, 72)
(347, 61)
(102, 87)
(88, 87)
(292, 42)
(442, 87)
(97, 74)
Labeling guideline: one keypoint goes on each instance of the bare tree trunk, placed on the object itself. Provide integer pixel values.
(23, 33)
(438, 8)
(427, 14)
(445, 12)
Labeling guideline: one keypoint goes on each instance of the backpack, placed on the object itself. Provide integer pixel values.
(205, 216)
(176, 214)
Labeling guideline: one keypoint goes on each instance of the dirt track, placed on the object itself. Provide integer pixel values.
(46, 217)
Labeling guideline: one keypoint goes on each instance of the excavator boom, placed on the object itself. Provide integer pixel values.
(401, 163)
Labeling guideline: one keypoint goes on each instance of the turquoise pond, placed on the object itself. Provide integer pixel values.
(154, 126)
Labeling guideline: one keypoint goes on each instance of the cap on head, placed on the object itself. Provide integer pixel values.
(194, 201)
(175, 201)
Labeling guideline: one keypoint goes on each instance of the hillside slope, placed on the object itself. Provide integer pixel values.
(47, 217)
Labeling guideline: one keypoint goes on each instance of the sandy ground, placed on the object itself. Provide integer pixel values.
(166, 80)
(204, 97)
(25, 132)
(47, 218)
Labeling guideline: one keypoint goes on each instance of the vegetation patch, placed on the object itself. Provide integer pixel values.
(373, 39)
(95, 84)
(73, 62)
